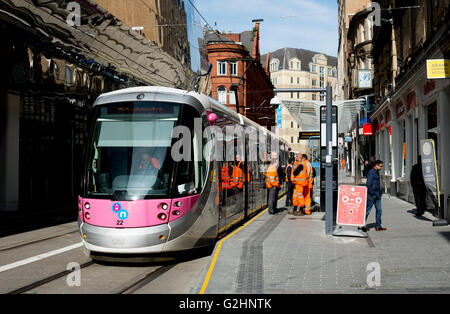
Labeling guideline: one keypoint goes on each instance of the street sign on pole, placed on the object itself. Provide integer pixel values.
(329, 165)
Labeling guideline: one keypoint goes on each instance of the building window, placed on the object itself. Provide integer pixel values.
(298, 80)
(221, 68)
(274, 65)
(314, 97)
(292, 140)
(233, 68)
(222, 94)
(314, 82)
(232, 97)
(329, 71)
(292, 125)
(298, 66)
(313, 68)
(292, 80)
(322, 71)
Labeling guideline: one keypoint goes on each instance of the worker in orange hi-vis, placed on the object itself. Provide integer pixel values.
(300, 179)
(343, 163)
(237, 176)
(307, 188)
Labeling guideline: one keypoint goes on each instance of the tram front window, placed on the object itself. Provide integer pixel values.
(130, 154)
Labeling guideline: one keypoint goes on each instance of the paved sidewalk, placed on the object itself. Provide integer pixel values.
(287, 254)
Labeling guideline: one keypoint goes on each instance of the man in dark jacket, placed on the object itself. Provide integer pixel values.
(290, 185)
(418, 187)
(374, 194)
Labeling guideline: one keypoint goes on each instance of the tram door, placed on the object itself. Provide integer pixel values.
(314, 159)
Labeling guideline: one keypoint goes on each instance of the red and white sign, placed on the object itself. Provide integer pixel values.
(351, 208)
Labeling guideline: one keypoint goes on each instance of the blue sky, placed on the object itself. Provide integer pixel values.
(308, 24)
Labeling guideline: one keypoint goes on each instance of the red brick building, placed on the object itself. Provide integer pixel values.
(236, 61)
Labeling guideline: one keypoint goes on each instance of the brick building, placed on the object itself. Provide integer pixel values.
(236, 62)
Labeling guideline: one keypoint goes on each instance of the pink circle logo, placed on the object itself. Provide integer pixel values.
(116, 207)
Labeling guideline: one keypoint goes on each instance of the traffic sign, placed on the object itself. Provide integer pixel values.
(351, 209)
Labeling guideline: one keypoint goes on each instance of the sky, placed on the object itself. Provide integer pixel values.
(307, 24)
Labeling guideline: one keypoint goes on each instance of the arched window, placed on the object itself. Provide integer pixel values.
(222, 94)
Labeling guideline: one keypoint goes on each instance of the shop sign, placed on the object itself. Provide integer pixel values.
(367, 129)
(351, 209)
(429, 168)
(279, 114)
(438, 68)
(364, 78)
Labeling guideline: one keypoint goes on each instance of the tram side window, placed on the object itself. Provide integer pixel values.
(191, 173)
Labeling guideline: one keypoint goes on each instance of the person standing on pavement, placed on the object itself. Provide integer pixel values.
(308, 187)
(419, 188)
(290, 184)
(374, 193)
(272, 183)
(301, 179)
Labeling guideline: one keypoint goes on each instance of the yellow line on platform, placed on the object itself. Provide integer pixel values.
(219, 246)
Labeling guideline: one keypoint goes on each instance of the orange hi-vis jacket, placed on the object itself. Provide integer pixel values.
(309, 170)
(302, 178)
(225, 176)
(272, 179)
(237, 177)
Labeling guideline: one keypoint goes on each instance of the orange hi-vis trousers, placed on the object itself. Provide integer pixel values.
(297, 197)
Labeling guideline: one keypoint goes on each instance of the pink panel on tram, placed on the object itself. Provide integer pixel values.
(134, 214)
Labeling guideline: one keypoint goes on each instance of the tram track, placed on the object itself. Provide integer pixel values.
(9, 248)
(146, 279)
(47, 280)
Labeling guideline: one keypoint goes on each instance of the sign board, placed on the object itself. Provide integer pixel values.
(323, 126)
(429, 168)
(365, 78)
(348, 139)
(279, 117)
(351, 210)
(307, 134)
(438, 68)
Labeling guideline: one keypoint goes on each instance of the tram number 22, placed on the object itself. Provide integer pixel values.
(119, 222)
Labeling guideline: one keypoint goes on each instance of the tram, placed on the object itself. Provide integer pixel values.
(149, 185)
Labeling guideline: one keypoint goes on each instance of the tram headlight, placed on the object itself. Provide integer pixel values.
(87, 205)
(164, 206)
(87, 216)
(178, 204)
(162, 216)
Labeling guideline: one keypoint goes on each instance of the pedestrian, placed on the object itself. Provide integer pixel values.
(308, 187)
(272, 183)
(374, 194)
(301, 180)
(290, 184)
(418, 187)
